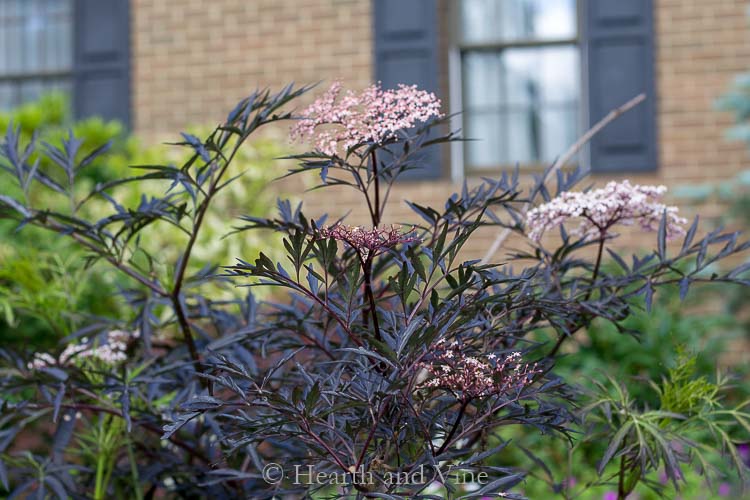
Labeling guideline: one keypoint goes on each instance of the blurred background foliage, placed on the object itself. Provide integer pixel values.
(47, 288)
(737, 101)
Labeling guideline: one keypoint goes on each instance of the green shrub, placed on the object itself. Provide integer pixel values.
(656, 337)
(43, 279)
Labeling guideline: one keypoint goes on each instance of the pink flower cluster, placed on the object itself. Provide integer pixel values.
(112, 352)
(600, 209)
(368, 241)
(373, 115)
(451, 369)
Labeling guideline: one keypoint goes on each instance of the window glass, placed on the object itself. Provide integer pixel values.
(36, 48)
(520, 100)
(508, 20)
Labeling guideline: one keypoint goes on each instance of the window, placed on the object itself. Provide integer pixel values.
(516, 73)
(36, 49)
(521, 81)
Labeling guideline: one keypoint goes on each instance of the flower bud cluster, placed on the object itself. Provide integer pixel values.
(368, 241)
(493, 375)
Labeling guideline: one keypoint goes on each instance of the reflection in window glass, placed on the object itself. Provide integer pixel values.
(36, 48)
(508, 20)
(521, 102)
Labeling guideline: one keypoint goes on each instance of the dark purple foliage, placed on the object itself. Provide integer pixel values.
(333, 375)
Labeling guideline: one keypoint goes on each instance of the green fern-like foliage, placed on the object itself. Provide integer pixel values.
(692, 429)
(684, 393)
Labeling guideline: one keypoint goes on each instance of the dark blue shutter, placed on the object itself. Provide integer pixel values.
(101, 62)
(406, 45)
(620, 48)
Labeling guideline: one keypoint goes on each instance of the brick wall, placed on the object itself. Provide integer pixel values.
(701, 46)
(193, 62)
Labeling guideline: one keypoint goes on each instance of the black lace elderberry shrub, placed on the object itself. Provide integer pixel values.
(390, 368)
